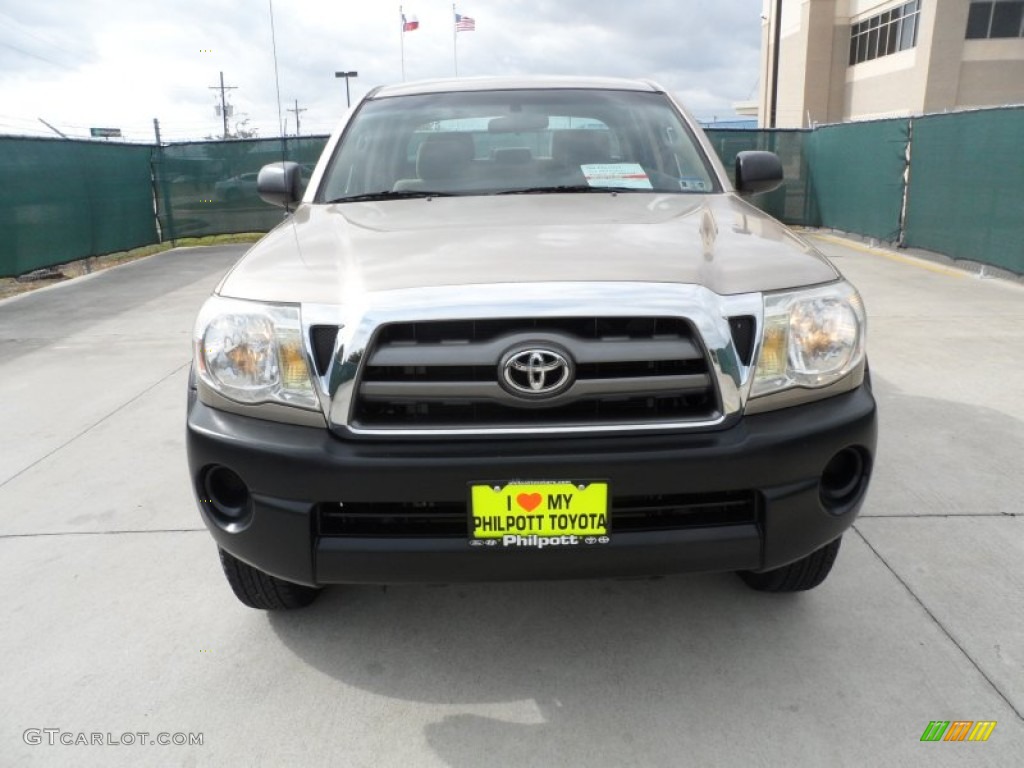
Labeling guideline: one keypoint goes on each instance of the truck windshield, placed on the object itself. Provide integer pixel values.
(516, 142)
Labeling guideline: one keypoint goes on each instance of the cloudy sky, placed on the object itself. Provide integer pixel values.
(111, 63)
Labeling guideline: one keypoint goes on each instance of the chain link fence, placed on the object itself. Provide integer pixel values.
(209, 187)
(791, 202)
(63, 200)
(856, 176)
(949, 183)
(966, 193)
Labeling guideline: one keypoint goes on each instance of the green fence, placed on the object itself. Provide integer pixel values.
(848, 177)
(791, 202)
(63, 200)
(966, 196)
(209, 188)
(856, 176)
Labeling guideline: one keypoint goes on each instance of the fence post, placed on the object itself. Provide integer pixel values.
(160, 187)
(901, 235)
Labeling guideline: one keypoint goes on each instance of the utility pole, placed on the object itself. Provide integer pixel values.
(776, 34)
(297, 111)
(347, 75)
(223, 100)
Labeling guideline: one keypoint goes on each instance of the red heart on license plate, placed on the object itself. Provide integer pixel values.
(529, 501)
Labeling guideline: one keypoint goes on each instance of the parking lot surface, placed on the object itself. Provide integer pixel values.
(117, 620)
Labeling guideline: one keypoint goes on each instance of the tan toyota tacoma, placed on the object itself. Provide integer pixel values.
(526, 329)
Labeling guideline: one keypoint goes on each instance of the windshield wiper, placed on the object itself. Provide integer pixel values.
(389, 194)
(560, 188)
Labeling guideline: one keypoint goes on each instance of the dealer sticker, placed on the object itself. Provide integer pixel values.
(693, 184)
(539, 514)
(628, 175)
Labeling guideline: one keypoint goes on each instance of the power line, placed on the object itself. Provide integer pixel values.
(18, 28)
(36, 56)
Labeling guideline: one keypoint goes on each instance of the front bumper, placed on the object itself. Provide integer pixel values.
(292, 471)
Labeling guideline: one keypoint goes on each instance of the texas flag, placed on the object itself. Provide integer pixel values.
(409, 23)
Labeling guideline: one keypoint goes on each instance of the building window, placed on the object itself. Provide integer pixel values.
(995, 18)
(889, 32)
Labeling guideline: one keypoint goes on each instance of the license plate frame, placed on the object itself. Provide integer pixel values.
(536, 514)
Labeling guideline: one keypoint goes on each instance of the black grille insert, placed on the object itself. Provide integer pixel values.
(469, 331)
(322, 338)
(742, 329)
(669, 512)
(467, 414)
(630, 514)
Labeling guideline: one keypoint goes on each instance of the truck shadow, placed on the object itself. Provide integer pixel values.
(553, 672)
(659, 672)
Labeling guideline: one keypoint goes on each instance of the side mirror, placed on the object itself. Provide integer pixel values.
(757, 172)
(280, 183)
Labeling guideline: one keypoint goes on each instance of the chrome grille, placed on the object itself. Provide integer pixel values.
(445, 374)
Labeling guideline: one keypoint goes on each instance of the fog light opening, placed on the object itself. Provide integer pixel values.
(226, 494)
(843, 479)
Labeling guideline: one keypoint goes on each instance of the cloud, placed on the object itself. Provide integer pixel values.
(111, 63)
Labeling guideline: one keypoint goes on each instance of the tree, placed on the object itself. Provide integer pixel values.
(241, 131)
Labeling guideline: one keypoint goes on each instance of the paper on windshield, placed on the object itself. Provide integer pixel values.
(693, 184)
(629, 175)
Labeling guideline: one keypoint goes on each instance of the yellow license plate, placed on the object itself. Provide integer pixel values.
(539, 514)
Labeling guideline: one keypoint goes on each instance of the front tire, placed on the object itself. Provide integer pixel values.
(261, 590)
(804, 574)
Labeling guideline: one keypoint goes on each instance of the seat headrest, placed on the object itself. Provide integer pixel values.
(444, 156)
(579, 146)
(511, 155)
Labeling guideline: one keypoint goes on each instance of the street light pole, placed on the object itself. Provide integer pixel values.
(347, 75)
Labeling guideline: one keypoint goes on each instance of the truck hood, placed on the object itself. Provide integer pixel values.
(326, 253)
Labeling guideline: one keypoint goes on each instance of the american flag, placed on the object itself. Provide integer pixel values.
(464, 23)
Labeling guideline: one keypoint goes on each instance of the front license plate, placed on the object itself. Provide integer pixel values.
(539, 514)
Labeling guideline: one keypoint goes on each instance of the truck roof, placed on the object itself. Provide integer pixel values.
(449, 85)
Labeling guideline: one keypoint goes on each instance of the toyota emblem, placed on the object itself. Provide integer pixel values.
(536, 372)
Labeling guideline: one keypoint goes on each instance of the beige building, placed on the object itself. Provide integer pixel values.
(829, 61)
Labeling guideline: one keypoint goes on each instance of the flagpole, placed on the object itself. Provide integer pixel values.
(455, 41)
(401, 16)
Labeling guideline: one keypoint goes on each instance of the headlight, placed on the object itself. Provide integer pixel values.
(811, 338)
(253, 353)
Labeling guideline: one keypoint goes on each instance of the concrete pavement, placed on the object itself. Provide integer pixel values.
(117, 619)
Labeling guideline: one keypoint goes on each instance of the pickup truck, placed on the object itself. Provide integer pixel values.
(526, 328)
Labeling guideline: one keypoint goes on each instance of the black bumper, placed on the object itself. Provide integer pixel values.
(292, 471)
